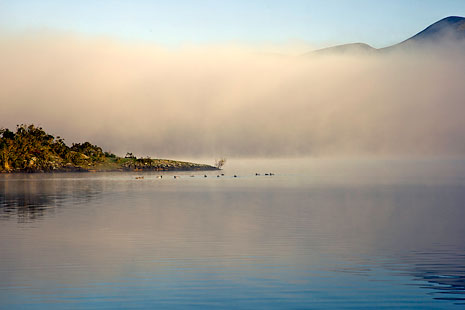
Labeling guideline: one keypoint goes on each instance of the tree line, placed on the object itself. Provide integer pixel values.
(31, 149)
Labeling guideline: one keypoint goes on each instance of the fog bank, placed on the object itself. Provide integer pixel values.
(232, 100)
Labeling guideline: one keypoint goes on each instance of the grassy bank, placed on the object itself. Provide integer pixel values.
(31, 149)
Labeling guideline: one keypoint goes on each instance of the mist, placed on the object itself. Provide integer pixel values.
(233, 100)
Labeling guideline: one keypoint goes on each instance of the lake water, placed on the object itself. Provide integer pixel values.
(319, 234)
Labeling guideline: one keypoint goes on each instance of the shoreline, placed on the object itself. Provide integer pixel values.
(31, 150)
(179, 166)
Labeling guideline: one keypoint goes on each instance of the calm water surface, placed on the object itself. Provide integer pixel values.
(319, 234)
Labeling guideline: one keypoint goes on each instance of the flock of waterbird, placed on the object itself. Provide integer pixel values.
(205, 176)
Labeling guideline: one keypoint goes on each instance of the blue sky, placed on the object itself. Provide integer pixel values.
(318, 23)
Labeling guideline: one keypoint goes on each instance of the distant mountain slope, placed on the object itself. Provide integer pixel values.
(352, 48)
(449, 29)
(452, 27)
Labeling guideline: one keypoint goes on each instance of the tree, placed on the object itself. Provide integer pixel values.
(6, 148)
(30, 149)
(219, 163)
(129, 155)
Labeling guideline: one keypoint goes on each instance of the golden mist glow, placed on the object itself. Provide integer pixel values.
(232, 100)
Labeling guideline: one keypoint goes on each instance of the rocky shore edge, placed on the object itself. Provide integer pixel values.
(159, 165)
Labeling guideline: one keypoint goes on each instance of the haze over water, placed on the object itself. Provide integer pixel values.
(319, 234)
(234, 100)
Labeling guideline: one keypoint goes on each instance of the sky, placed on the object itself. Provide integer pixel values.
(181, 22)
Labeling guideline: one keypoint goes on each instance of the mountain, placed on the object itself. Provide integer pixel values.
(351, 48)
(448, 30)
(452, 27)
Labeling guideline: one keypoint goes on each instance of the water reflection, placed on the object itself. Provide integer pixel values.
(110, 241)
(29, 197)
(442, 271)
